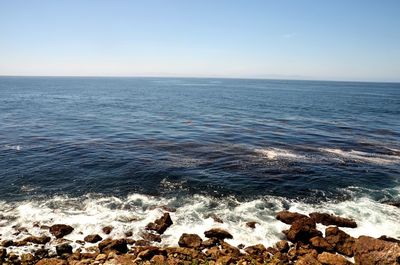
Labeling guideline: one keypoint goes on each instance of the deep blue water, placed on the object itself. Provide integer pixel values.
(176, 136)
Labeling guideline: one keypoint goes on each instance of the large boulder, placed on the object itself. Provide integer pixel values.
(371, 251)
(289, 217)
(116, 245)
(330, 219)
(332, 259)
(302, 230)
(190, 241)
(218, 233)
(61, 230)
(342, 242)
(161, 224)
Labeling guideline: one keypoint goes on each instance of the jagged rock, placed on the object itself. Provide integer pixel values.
(190, 240)
(93, 238)
(342, 242)
(27, 259)
(218, 233)
(151, 237)
(369, 250)
(161, 224)
(210, 242)
(307, 260)
(302, 230)
(252, 225)
(330, 219)
(389, 239)
(289, 217)
(107, 229)
(60, 230)
(321, 244)
(117, 245)
(125, 259)
(282, 246)
(52, 261)
(229, 250)
(332, 259)
(64, 249)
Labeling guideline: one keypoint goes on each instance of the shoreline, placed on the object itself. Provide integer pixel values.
(303, 243)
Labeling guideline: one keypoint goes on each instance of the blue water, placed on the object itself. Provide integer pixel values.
(304, 140)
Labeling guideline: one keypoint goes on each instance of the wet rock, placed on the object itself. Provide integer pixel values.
(332, 259)
(185, 253)
(372, 251)
(27, 259)
(214, 217)
(282, 246)
(255, 250)
(342, 242)
(210, 242)
(330, 219)
(41, 253)
(52, 261)
(142, 242)
(12, 257)
(64, 249)
(3, 254)
(229, 250)
(289, 217)
(101, 257)
(93, 238)
(130, 241)
(161, 224)
(128, 233)
(389, 239)
(251, 225)
(149, 252)
(307, 260)
(321, 244)
(151, 237)
(117, 245)
(302, 230)
(7, 243)
(218, 233)
(158, 260)
(80, 242)
(61, 230)
(190, 240)
(41, 240)
(107, 229)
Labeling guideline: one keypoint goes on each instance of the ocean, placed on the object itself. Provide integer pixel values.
(91, 152)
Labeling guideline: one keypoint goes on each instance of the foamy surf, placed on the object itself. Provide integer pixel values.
(90, 214)
(360, 156)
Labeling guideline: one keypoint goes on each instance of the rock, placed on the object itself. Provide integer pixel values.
(7, 243)
(224, 260)
(148, 252)
(256, 250)
(117, 245)
(60, 230)
(332, 259)
(37, 239)
(330, 219)
(13, 257)
(289, 217)
(342, 242)
(107, 229)
(101, 257)
(151, 237)
(161, 224)
(369, 250)
(302, 230)
(93, 238)
(389, 239)
(158, 260)
(214, 217)
(128, 233)
(142, 242)
(229, 250)
(307, 260)
(41, 253)
(282, 246)
(210, 242)
(27, 259)
(52, 261)
(3, 254)
(218, 233)
(64, 249)
(190, 241)
(321, 244)
(252, 225)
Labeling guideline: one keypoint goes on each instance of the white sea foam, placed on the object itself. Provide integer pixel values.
(88, 215)
(12, 147)
(373, 158)
(279, 153)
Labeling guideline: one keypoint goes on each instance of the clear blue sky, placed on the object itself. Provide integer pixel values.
(298, 39)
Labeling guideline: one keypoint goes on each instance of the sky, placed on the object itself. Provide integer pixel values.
(281, 39)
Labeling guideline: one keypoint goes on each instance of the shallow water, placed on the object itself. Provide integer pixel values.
(83, 150)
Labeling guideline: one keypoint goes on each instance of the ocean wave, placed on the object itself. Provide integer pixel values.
(373, 158)
(89, 214)
(279, 153)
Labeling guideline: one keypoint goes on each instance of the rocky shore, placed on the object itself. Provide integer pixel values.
(304, 245)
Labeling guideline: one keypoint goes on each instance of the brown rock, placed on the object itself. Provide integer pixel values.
(210, 242)
(158, 260)
(93, 238)
(52, 261)
(27, 259)
(321, 244)
(213, 252)
(252, 225)
(37, 239)
(117, 245)
(142, 242)
(282, 246)
(3, 254)
(151, 237)
(302, 230)
(229, 250)
(107, 229)
(368, 250)
(218, 233)
(214, 217)
(7, 243)
(223, 260)
(128, 233)
(289, 217)
(148, 252)
(330, 219)
(64, 249)
(343, 243)
(256, 250)
(161, 224)
(121, 260)
(60, 230)
(41, 253)
(389, 239)
(332, 259)
(307, 260)
(190, 241)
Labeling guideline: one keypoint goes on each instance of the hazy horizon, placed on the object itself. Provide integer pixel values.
(302, 40)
